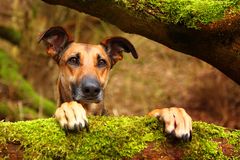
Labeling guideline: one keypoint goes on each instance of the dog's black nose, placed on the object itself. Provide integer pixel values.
(90, 87)
(90, 90)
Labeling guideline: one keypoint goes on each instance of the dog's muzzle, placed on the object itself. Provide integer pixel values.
(88, 91)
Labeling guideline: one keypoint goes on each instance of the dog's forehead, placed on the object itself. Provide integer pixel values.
(84, 49)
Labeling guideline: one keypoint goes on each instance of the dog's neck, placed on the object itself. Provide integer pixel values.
(95, 108)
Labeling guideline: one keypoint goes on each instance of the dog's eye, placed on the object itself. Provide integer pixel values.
(73, 61)
(101, 63)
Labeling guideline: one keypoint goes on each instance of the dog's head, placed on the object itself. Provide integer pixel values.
(84, 68)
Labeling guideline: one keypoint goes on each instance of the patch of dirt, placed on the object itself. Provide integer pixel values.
(12, 150)
(227, 149)
(166, 152)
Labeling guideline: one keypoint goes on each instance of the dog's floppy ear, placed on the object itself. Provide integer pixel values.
(114, 47)
(56, 40)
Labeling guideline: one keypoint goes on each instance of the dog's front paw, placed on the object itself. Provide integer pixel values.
(177, 122)
(72, 116)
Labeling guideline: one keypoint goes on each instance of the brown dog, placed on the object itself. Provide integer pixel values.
(84, 70)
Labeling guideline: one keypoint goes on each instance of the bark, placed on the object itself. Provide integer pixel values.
(210, 31)
(114, 138)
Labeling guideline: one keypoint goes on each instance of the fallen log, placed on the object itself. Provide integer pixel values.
(114, 138)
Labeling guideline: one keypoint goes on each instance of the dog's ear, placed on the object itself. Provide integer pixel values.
(114, 47)
(56, 40)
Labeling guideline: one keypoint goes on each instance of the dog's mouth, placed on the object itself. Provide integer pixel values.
(88, 99)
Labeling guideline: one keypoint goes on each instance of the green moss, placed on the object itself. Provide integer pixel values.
(44, 138)
(9, 74)
(186, 12)
(110, 138)
(205, 136)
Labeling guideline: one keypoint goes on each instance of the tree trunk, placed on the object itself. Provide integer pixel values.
(209, 29)
(114, 138)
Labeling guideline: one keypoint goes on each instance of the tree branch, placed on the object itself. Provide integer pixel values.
(209, 30)
(114, 138)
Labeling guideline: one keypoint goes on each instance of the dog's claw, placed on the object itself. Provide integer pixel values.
(190, 137)
(86, 126)
(76, 128)
(171, 135)
(65, 128)
(80, 126)
(185, 137)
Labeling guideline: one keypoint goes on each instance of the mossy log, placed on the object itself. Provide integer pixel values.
(114, 138)
(9, 75)
(206, 29)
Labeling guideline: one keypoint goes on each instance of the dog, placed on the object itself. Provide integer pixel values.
(83, 75)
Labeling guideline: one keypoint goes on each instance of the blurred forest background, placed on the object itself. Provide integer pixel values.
(161, 77)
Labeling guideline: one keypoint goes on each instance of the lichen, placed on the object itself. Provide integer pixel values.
(110, 138)
(10, 75)
(190, 13)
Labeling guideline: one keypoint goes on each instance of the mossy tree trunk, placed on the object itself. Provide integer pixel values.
(209, 29)
(9, 75)
(114, 138)
(10, 34)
